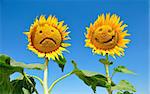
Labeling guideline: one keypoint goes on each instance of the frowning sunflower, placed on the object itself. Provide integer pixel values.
(107, 35)
(46, 37)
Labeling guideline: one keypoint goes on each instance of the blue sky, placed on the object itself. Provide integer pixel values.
(17, 16)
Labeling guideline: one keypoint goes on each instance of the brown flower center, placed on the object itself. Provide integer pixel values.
(104, 37)
(46, 38)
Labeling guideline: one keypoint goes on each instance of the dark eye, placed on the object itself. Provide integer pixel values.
(97, 39)
(100, 29)
(40, 31)
(52, 30)
(109, 31)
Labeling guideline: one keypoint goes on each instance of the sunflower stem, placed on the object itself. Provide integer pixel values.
(36, 77)
(59, 79)
(45, 84)
(107, 75)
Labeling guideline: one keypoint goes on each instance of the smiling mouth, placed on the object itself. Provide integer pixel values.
(109, 39)
(105, 41)
(47, 38)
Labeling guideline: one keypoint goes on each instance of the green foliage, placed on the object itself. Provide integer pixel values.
(125, 92)
(26, 84)
(28, 66)
(61, 62)
(9, 66)
(5, 71)
(105, 61)
(91, 79)
(124, 85)
(123, 69)
(5, 86)
(22, 86)
(119, 92)
(17, 86)
(6, 66)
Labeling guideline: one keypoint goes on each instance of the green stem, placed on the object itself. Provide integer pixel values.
(59, 79)
(37, 79)
(45, 84)
(107, 75)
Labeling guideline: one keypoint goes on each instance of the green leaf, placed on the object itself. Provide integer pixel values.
(5, 86)
(9, 65)
(104, 61)
(28, 66)
(123, 69)
(119, 92)
(22, 86)
(25, 91)
(127, 92)
(124, 85)
(6, 66)
(61, 62)
(91, 79)
(5, 71)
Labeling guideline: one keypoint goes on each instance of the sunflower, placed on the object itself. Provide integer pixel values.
(107, 35)
(46, 37)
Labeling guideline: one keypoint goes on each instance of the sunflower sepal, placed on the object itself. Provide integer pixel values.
(105, 61)
(61, 61)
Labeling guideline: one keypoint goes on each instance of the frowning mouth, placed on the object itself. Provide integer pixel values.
(47, 38)
(109, 39)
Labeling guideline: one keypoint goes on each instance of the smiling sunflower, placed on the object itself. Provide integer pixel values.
(46, 37)
(107, 36)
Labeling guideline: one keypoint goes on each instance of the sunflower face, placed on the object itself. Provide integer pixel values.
(106, 36)
(46, 37)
